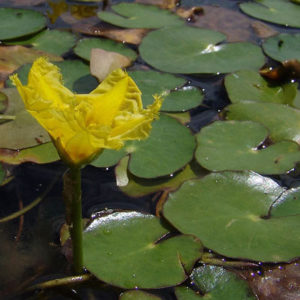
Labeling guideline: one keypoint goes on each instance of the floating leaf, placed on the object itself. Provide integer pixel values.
(151, 157)
(283, 46)
(137, 187)
(249, 85)
(3, 102)
(134, 15)
(24, 131)
(41, 154)
(287, 204)
(228, 212)
(275, 11)
(177, 99)
(138, 295)
(281, 120)
(84, 47)
(232, 145)
(109, 158)
(200, 51)
(130, 240)
(2, 174)
(52, 41)
(102, 62)
(15, 23)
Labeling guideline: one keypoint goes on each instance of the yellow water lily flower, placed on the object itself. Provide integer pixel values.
(81, 125)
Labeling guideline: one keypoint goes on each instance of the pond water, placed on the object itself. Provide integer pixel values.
(30, 250)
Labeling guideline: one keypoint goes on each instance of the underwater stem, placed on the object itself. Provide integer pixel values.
(72, 197)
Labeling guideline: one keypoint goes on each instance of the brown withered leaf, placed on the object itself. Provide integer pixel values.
(13, 57)
(280, 282)
(90, 27)
(104, 62)
(288, 69)
(236, 26)
(166, 4)
(262, 30)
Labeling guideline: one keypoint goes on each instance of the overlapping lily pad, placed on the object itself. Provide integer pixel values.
(151, 157)
(24, 131)
(275, 11)
(232, 145)
(52, 41)
(281, 120)
(184, 49)
(283, 46)
(216, 283)
(84, 47)
(15, 23)
(229, 213)
(137, 187)
(248, 85)
(134, 15)
(176, 99)
(123, 249)
(41, 154)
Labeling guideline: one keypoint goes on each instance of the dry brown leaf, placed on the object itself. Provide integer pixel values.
(233, 24)
(104, 62)
(131, 36)
(262, 30)
(13, 57)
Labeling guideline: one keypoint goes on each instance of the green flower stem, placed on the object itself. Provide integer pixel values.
(72, 198)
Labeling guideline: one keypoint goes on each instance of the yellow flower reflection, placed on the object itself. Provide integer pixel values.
(81, 125)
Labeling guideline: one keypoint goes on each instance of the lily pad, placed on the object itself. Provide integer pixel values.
(41, 154)
(137, 187)
(131, 241)
(281, 12)
(200, 51)
(176, 99)
(24, 131)
(15, 23)
(287, 204)
(283, 46)
(76, 76)
(281, 120)
(151, 157)
(228, 212)
(233, 145)
(215, 283)
(84, 47)
(138, 295)
(52, 41)
(248, 85)
(134, 15)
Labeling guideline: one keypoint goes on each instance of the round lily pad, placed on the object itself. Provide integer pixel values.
(84, 47)
(283, 46)
(51, 41)
(233, 145)
(16, 23)
(135, 15)
(151, 157)
(281, 12)
(281, 120)
(229, 211)
(124, 249)
(177, 98)
(248, 85)
(185, 49)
